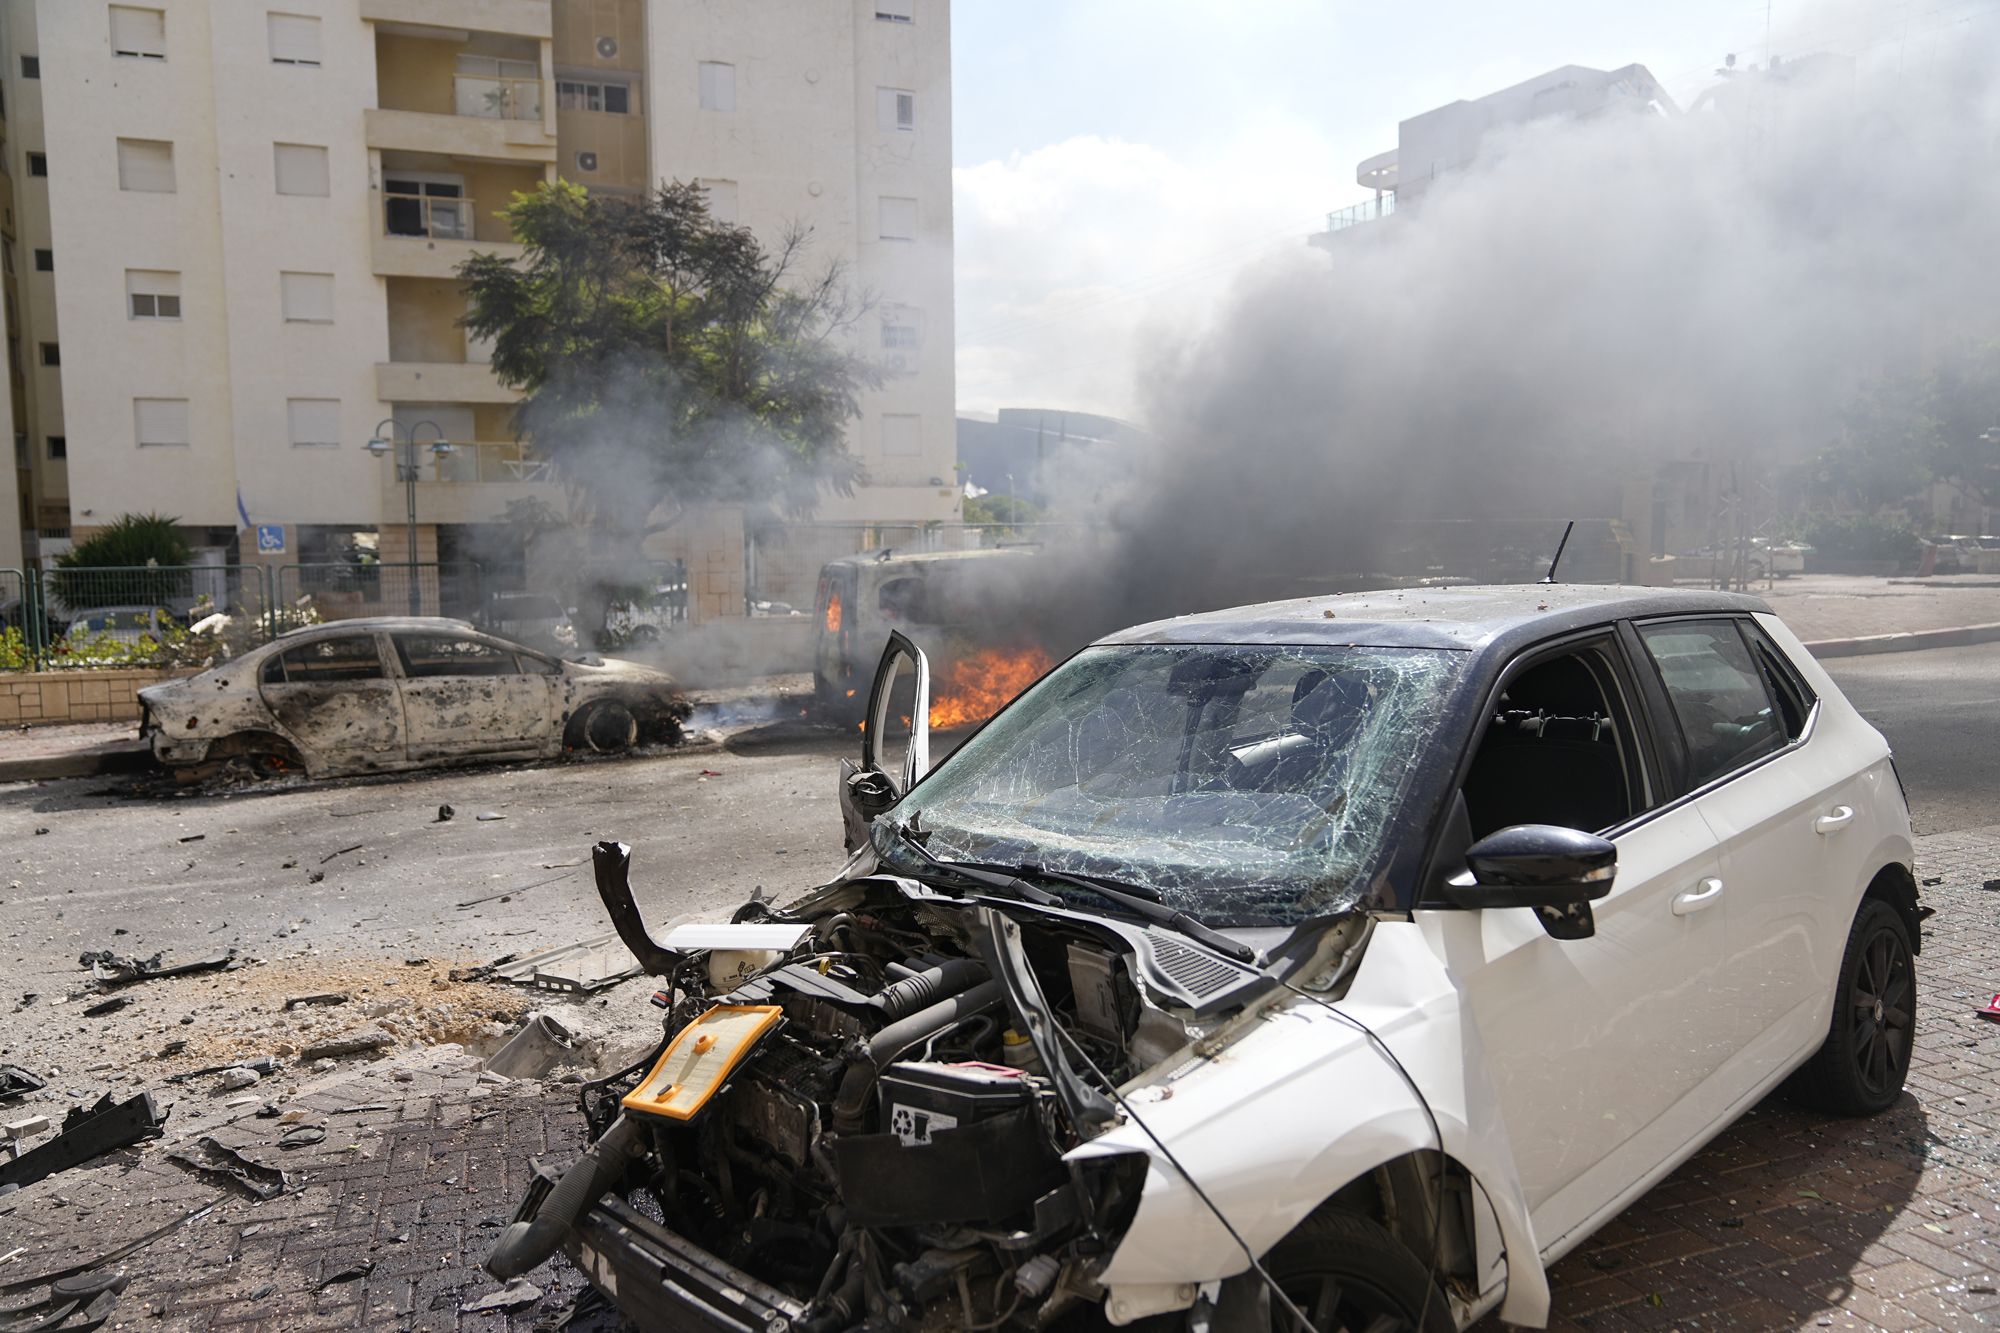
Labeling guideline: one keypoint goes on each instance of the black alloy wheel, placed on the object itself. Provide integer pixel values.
(609, 728)
(1861, 1068)
(1347, 1275)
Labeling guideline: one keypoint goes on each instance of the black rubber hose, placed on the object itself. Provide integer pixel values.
(524, 1245)
(850, 1104)
(899, 999)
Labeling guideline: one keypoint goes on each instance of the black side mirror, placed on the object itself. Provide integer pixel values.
(1557, 871)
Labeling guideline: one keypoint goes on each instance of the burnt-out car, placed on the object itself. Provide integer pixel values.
(1331, 964)
(381, 694)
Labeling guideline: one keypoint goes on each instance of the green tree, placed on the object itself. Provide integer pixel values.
(1903, 432)
(135, 559)
(1006, 509)
(668, 360)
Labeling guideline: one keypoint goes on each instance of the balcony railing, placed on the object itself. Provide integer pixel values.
(482, 461)
(440, 217)
(496, 98)
(1368, 210)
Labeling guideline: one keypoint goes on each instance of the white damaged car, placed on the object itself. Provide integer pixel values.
(379, 694)
(1335, 964)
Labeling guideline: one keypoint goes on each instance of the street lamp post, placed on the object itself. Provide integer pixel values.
(405, 450)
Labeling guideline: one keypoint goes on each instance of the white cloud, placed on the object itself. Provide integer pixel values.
(1069, 256)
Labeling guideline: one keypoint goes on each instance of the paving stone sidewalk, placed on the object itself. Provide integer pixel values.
(1788, 1221)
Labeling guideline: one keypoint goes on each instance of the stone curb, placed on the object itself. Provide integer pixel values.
(1910, 641)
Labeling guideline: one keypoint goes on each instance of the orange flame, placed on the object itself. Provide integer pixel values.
(833, 614)
(974, 688)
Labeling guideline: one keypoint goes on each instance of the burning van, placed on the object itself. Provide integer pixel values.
(960, 607)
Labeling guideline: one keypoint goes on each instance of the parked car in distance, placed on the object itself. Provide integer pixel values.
(377, 695)
(125, 624)
(533, 618)
(1415, 934)
(1761, 558)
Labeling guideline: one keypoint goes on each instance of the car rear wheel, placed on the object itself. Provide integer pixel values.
(607, 728)
(1861, 1068)
(1344, 1272)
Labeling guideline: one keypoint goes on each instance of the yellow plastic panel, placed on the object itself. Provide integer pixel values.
(699, 1059)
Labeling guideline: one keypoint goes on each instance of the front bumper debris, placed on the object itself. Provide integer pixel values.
(658, 1280)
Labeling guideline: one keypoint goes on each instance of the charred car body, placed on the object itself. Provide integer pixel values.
(380, 694)
(1336, 964)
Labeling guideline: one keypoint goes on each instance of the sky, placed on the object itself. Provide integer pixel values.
(1118, 164)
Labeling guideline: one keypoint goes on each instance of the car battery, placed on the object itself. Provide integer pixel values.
(958, 1143)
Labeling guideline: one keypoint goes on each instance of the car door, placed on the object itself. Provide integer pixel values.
(1593, 1043)
(466, 694)
(337, 701)
(1780, 806)
(895, 739)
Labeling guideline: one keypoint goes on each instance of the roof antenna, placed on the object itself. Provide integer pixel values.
(1550, 577)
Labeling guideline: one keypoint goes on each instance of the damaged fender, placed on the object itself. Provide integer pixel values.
(1301, 1104)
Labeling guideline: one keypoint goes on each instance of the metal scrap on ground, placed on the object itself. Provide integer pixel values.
(587, 965)
(87, 1135)
(110, 970)
(17, 1082)
(225, 1165)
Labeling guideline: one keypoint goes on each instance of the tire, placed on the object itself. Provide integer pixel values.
(607, 728)
(1345, 1272)
(645, 633)
(1861, 1067)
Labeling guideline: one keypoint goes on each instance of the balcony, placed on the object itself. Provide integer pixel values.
(428, 236)
(516, 18)
(495, 136)
(474, 483)
(439, 382)
(1368, 210)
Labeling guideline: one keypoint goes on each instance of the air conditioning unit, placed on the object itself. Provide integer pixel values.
(586, 161)
(607, 48)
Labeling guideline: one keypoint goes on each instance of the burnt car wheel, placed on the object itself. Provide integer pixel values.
(607, 728)
(1861, 1068)
(1344, 1272)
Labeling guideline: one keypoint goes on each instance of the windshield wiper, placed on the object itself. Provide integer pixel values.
(996, 880)
(1136, 899)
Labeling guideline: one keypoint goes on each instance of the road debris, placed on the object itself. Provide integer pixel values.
(86, 1135)
(540, 1045)
(226, 1166)
(488, 816)
(352, 1273)
(322, 997)
(194, 837)
(84, 1301)
(109, 970)
(1992, 1009)
(587, 965)
(263, 1064)
(302, 1136)
(110, 1006)
(360, 1043)
(17, 1082)
(445, 813)
(517, 1293)
(342, 852)
(239, 1077)
(503, 897)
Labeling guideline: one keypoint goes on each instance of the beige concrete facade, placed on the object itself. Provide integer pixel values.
(29, 698)
(256, 217)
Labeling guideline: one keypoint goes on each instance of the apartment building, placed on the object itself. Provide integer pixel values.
(245, 222)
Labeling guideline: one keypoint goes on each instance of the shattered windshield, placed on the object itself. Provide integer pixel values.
(1247, 784)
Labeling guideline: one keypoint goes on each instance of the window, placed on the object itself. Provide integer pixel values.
(432, 655)
(718, 86)
(902, 329)
(895, 11)
(139, 34)
(294, 39)
(897, 219)
(45, 261)
(146, 165)
(152, 294)
(497, 89)
(326, 662)
(314, 422)
(721, 199)
(1718, 695)
(581, 95)
(301, 169)
(1551, 752)
(31, 67)
(52, 354)
(160, 421)
(895, 108)
(307, 298)
(1795, 698)
(433, 206)
(58, 447)
(902, 436)
(38, 164)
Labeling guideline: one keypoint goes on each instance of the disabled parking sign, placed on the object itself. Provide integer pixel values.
(270, 539)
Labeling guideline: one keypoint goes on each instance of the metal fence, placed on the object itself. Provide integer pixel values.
(128, 615)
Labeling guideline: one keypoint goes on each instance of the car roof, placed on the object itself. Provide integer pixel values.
(893, 557)
(1473, 617)
(362, 623)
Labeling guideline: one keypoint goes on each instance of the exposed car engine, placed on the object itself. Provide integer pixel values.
(861, 1113)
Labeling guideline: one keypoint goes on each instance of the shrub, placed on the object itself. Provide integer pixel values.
(1860, 537)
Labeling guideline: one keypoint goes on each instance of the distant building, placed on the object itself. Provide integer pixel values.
(1033, 452)
(237, 228)
(1448, 139)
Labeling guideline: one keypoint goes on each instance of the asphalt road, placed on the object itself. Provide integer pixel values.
(1938, 709)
